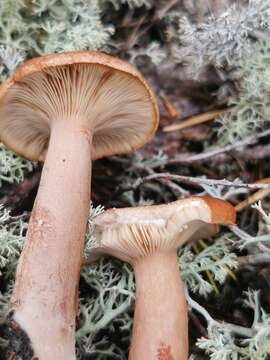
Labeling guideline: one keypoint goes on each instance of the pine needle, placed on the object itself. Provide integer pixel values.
(194, 120)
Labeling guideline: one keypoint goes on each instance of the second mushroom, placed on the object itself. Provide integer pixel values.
(147, 237)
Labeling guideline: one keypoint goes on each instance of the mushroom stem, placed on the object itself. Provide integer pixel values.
(160, 329)
(44, 300)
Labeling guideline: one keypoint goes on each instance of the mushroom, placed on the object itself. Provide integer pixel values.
(66, 109)
(147, 237)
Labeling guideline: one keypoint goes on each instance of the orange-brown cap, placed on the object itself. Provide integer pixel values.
(130, 233)
(106, 92)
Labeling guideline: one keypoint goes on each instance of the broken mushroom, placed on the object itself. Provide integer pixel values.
(66, 109)
(147, 237)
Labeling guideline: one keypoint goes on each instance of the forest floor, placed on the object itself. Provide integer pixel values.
(121, 181)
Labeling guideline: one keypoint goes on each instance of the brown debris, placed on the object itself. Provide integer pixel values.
(164, 352)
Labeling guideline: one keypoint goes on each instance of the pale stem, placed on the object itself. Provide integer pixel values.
(160, 329)
(45, 295)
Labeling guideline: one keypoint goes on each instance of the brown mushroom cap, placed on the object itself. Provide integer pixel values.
(91, 87)
(131, 233)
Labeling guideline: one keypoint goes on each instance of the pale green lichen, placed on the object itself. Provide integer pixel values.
(218, 259)
(72, 25)
(249, 106)
(10, 58)
(12, 236)
(131, 3)
(90, 241)
(115, 289)
(245, 240)
(12, 167)
(236, 45)
(221, 40)
(232, 342)
(40, 27)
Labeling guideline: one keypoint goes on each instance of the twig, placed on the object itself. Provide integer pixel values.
(187, 158)
(264, 248)
(194, 120)
(165, 9)
(169, 107)
(137, 33)
(196, 180)
(256, 152)
(257, 259)
(236, 329)
(241, 234)
(175, 189)
(258, 195)
(201, 310)
(246, 239)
